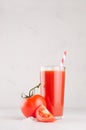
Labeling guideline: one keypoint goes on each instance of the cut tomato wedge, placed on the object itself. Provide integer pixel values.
(43, 114)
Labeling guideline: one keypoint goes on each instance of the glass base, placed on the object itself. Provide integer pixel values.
(59, 117)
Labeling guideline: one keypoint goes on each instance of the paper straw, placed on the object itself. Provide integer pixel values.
(63, 58)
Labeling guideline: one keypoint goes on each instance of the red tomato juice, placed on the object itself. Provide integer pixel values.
(52, 88)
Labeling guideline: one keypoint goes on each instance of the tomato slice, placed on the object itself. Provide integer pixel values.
(43, 114)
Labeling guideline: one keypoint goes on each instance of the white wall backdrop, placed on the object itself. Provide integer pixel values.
(35, 33)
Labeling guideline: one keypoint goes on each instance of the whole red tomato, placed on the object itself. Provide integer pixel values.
(30, 104)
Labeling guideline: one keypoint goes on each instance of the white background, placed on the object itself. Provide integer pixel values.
(35, 33)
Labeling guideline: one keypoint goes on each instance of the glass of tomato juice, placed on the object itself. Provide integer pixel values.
(52, 80)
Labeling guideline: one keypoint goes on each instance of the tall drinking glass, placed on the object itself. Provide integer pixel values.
(52, 80)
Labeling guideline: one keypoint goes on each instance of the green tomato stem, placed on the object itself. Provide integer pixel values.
(23, 95)
(32, 91)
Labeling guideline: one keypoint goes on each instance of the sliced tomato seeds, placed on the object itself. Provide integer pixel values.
(43, 114)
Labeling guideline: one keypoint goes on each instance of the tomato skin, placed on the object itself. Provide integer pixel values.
(30, 104)
(43, 114)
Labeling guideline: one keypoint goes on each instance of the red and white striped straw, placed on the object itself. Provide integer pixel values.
(63, 58)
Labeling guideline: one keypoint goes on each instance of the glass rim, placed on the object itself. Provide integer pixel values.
(52, 67)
